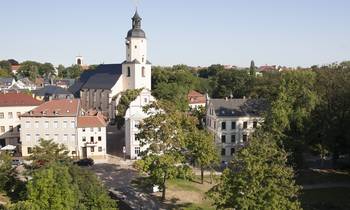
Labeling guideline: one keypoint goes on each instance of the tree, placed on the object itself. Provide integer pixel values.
(62, 71)
(202, 150)
(48, 152)
(74, 71)
(233, 82)
(46, 70)
(29, 69)
(258, 178)
(93, 195)
(164, 132)
(51, 187)
(252, 69)
(5, 169)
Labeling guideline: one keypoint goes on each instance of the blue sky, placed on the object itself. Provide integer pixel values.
(193, 32)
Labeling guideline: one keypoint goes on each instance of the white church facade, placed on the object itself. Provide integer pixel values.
(101, 89)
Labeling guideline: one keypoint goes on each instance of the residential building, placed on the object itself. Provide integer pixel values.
(51, 92)
(232, 121)
(66, 123)
(134, 115)
(12, 105)
(196, 99)
(92, 136)
(6, 83)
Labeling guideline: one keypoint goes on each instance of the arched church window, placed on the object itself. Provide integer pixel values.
(79, 61)
(143, 59)
(129, 72)
(135, 46)
(143, 71)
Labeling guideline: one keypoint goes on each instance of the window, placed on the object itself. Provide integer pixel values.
(255, 124)
(83, 129)
(245, 125)
(99, 129)
(18, 114)
(83, 138)
(47, 136)
(72, 124)
(19, 128)
(2, 129)
(233, 125)
(145, 100)
(10, 115)
(129, 72)
(214, 124)
(55, 138)
(64, 124)
(100, 149)
(233, 138)
(223, 126)
(29, 150)
(37, 137)
(92, 129)
(92, 149)
(11, 128)
(46, 124)
(99, 138)
(143, 59)
(72, 138)
(143, 71)
(65, 137)
(74, 152)
(137, 150)
(245, 137)
(1, 115)
(91, 139)
(135, 46)
(223, 138)
(27, 124)
(232, 151)
(36, 124)
(55, 124)
(28, 137)
(223, 152)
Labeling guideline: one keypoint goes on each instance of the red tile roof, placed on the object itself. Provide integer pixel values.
(18, 99)
(56, 108)
(195, 97)
(91, 121)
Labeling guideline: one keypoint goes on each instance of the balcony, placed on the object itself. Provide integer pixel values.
(91, 144)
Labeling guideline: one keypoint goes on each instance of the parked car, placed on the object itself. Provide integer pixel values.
(16, 162)
(85, 162)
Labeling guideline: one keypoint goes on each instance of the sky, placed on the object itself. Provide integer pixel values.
(192, 32)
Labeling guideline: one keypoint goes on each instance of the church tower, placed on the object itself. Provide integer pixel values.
(136, 67)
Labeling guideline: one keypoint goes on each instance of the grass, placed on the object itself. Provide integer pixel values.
(326, 199)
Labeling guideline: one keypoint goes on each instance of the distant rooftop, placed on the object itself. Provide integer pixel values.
(238, 107)
(56, 108)
(17, 99)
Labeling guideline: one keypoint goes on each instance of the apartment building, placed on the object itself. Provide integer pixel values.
(12, 105)
(232, 121)
(66, 123)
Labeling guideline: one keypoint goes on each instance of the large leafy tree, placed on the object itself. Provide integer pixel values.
(5, 169)
(232, 82)
(202, 150)
(164, 132)
(48, 152)
(258, 178)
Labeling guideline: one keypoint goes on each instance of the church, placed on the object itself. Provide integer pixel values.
(100, 89)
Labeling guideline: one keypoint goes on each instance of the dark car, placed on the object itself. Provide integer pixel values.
(85, 162)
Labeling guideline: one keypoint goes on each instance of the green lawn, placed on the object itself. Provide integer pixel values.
(326, 199)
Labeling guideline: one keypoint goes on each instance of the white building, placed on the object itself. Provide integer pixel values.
(133, 117)
(232, 121)
(64, 122)
(12, 105)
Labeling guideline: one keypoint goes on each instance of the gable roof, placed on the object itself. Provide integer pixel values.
(91, 121)
(56, 108)
(195, 97)
(51, 90)
(238, 107)
(18, 99)
(105, 76)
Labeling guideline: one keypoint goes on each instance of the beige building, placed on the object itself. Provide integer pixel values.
(64, 122)
(12, 105)
(232, 121)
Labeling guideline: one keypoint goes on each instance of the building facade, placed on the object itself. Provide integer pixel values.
(12, 106)
(232, 121)
(64, 122)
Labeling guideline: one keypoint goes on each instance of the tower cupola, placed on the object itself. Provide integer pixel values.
(136, 30)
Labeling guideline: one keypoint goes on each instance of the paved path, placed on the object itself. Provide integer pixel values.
(118, 177)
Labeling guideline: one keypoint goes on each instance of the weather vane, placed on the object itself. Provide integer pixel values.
(136, 3)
